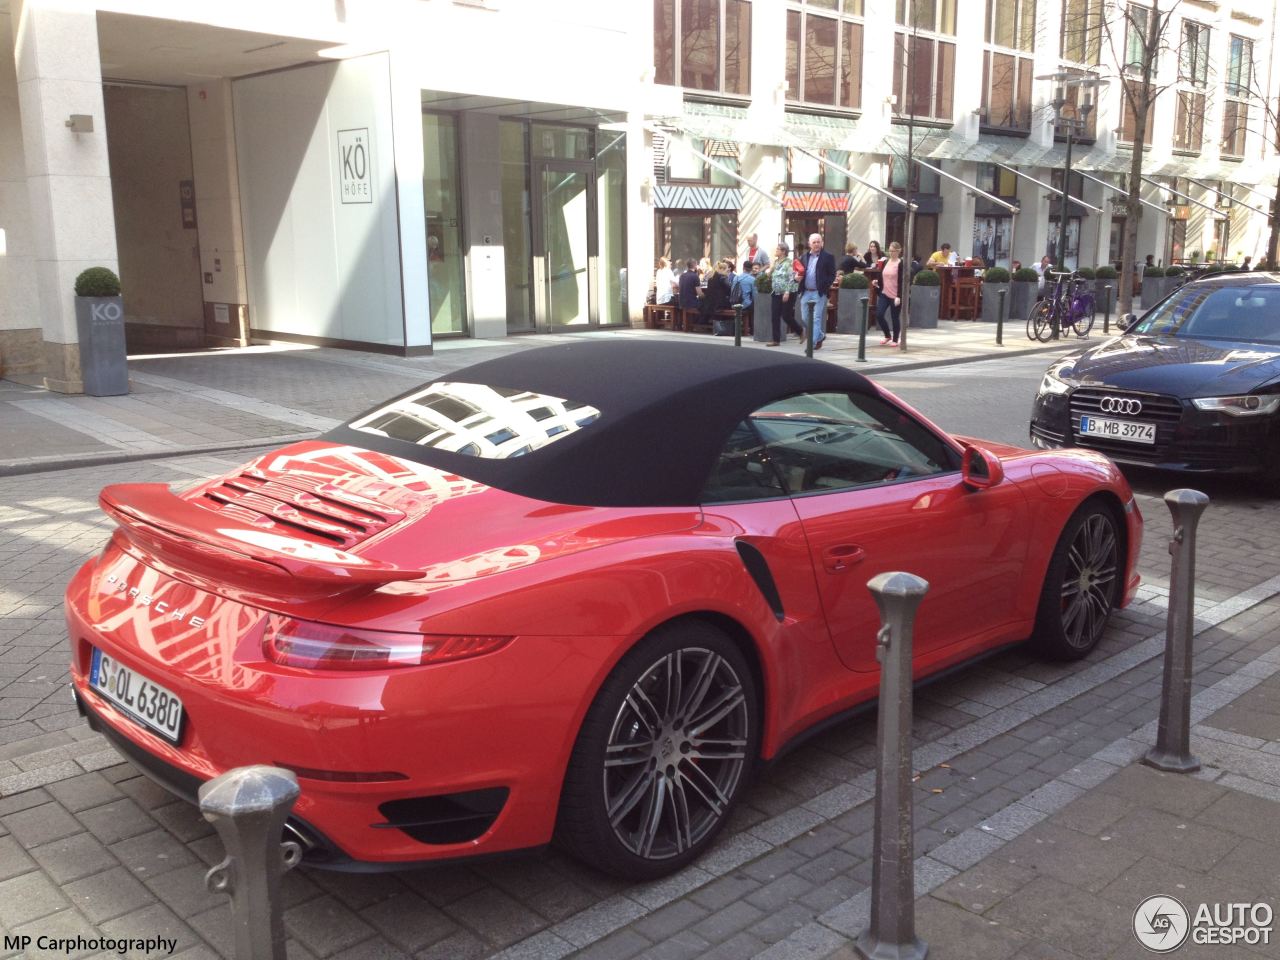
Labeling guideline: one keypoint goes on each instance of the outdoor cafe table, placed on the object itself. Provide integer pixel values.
(948, 277)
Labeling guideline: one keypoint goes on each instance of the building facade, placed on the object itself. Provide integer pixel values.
(384, 173)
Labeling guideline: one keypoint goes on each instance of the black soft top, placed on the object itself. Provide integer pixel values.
(666, 410)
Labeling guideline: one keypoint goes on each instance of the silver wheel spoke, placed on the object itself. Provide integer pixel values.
(705, 787)
(729, 700)
(632, 794)
(680, 814)
(625, 754)
(718, 749)
(675, 684)
(645, 710)
(655, 801)
(701, 684)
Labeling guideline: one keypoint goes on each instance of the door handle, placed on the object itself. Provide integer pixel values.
(842, 557)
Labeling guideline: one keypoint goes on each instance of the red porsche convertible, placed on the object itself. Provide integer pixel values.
(578, 592)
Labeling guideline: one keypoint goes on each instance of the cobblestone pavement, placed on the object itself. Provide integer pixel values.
(214, 400)
(1016, 758)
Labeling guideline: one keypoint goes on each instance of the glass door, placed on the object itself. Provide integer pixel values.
(565, 244)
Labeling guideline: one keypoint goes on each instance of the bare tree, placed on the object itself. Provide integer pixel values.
(1249, 105)
(1136, 37)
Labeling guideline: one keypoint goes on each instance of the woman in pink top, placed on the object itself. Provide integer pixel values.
(890, 299)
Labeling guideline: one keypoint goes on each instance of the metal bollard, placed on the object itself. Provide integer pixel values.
(248, 806)
(808, 328)
(1106, 310)
(891, 934)
(737, 324)
(1000, 319)
(1172, 751)
(862, 331)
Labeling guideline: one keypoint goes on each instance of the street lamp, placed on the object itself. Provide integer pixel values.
(1087, 83)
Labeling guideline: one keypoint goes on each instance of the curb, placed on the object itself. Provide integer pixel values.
(15, 468)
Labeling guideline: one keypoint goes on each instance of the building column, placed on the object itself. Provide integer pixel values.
(21, 339)
(68, 177)
(217, 186)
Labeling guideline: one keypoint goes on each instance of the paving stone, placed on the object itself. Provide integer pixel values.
(721, 924)
(616, 946)
(41, 824)
(1159, 834)
(27, 897)
(982, 887)
(1086, 862)
(375, 949)
(73, 857)
(151, 854)
(463, 945)
(118, 820)
(82, 792)
(183, 820)
(183, 890)
(1170, 792)
(153, 921)
(726, 890)
(685, 945)
(63, 925)
(324, 926)
(106, 895)
(495, 916)
(13, 859)
(409, 921)
(965, 935)
(1053, 909)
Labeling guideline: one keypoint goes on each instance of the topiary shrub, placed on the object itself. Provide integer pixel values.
(764, 283)
(1106, 272)
(1195, 256)
(1153, 271)
(1174, 271)
(97, 282)
(996, 275)
(927, 278)
(1026, 275)
(854, 281)
(1087, 273)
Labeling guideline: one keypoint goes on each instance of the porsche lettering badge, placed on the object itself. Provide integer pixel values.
(162, 608)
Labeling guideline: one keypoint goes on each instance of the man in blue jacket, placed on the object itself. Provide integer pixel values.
(819, 275)
(744, 286)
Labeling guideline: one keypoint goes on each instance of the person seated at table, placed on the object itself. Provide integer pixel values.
(717, 293)
(1043, 267)
(1017, 265)
(664, 283)
(851, 261)
(689, 286)
(940, 257)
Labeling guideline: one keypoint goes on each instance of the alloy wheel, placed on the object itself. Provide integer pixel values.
(675, 753)
(1089, 582)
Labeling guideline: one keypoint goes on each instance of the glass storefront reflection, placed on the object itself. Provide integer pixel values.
(440, 191)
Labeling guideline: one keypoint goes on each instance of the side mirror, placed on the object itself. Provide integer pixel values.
(980, 469)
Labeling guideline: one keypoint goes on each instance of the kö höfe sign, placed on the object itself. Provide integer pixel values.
(355, 166)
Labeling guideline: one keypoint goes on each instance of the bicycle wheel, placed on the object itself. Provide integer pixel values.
(1040, 322)
(1085, 311)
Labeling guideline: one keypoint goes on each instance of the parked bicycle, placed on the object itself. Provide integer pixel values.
(1072, 303)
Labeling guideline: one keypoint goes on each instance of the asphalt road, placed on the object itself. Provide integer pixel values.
(990, 399)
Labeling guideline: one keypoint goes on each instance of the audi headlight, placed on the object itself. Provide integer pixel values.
(1054, 383)
(1250, 405)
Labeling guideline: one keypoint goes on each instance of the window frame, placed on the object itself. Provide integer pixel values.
(674, 71)
(1090, 36)
(948, 447)
(847, 16)
(941, 35)
(1236, 87)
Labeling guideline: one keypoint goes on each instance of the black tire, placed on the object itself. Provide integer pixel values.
(658, 804)
(1040, 321)
(1081, 585)
(1085, 322)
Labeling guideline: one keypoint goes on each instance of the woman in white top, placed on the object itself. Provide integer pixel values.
(664, 282)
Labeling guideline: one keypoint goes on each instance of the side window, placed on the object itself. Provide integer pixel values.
(833, 441)
(743, 471)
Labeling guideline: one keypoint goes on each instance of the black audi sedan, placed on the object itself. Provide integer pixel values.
(1192, 385)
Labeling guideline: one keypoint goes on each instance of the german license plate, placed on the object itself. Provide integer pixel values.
(140, 699)
(1109, 429)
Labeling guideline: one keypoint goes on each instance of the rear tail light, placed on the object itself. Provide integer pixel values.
(323, 646)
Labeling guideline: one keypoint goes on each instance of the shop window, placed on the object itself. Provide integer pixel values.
(693, 234)
(446, 289)
(1072, 259)
(998, 181)
(703, 45)
(923, 180)
(824, 52)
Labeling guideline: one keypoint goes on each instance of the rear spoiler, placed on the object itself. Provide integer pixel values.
(188, 538)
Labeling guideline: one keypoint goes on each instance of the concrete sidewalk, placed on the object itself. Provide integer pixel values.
(218, 400)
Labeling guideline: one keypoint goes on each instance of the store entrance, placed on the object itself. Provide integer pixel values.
(565, 244)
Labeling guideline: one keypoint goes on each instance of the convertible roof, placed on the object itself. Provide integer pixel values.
(666, 410)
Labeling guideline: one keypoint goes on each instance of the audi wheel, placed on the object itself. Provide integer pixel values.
(663, 755)
(1081, 586)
